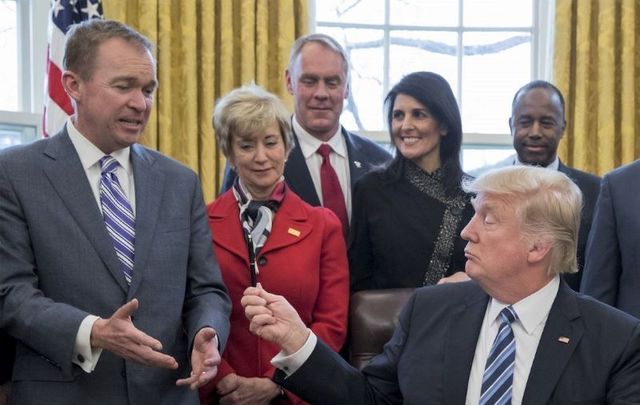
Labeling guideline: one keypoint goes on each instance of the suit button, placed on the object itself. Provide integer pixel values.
(262, 261)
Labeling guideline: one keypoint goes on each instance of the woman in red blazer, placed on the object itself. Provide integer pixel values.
(264, 233)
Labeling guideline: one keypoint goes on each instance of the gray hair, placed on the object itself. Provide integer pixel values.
(548, 203)
(324, 40)
(248, 109)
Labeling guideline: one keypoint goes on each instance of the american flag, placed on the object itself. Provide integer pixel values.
(63, 14)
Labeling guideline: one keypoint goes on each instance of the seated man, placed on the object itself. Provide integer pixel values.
(554, 345)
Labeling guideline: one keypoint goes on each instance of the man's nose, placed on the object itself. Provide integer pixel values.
(138, 100)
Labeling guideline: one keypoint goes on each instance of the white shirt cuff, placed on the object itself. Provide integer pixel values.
(83, 354)
(291, 363)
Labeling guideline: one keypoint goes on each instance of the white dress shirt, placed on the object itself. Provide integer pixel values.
(532, 311)
(553, 165)
(339, 158)
(83, 354)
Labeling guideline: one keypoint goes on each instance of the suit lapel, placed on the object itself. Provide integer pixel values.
(358, 165)
(298, 177)
(560, 337)
(227, 218)
(65, 172)
(290, 224)
(149, 185)
(459, 352)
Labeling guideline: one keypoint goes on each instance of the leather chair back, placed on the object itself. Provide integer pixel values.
(373, 316)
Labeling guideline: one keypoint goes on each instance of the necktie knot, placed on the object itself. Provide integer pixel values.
(508, 315)
(108, 164)
(324, 150)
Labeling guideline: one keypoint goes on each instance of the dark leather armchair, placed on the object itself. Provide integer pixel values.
(373, 316)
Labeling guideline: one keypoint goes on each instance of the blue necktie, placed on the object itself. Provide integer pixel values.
(118, 215)
(498, 372)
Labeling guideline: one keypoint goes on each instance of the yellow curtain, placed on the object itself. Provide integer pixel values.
(205, 48)
(597, 67)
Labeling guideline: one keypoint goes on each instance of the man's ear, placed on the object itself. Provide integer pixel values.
(72, 84)
(287, 77)
(539, 250)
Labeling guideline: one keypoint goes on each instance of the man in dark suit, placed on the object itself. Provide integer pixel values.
(318, 79)
(612, 268)
(109, 284)
(537, 124)
(516, 333)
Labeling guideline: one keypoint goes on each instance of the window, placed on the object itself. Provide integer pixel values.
(9, 50)
(23, 51)
(486, 49)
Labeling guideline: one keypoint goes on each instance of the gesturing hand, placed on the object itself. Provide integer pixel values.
(204, 359)
(274, 319)
(118, 335)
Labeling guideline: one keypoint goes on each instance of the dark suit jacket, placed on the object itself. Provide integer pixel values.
(612, 270)
(428, 360)
(363, 153)
(59, 265)
(590, 187)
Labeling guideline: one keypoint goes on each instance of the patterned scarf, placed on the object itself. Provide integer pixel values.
(256, 216)
(431, 185)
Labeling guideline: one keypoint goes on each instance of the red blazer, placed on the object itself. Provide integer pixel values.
(304, 259)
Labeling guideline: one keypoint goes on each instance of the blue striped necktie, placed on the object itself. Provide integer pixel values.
(498, 372)
(118, 215)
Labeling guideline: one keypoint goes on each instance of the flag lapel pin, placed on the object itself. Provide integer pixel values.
(563, 339)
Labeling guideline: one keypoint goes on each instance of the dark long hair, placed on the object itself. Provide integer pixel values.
(433, 91)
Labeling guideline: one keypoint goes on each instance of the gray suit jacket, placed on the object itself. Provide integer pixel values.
(612, 268)
(59, 265)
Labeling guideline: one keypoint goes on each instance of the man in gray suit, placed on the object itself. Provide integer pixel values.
(612, 269)
(109, 283)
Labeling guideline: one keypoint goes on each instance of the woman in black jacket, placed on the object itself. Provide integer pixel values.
(407, 217)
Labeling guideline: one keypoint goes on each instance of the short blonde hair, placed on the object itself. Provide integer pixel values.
(548, 203)
(246, 110)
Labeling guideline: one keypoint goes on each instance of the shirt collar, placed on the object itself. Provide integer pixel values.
(554, 165)
(309, 144)
(531, 310)
(90, 154)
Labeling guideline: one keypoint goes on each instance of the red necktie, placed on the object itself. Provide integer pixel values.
(332, 196)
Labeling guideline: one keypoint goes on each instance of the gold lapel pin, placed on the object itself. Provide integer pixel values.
(293, 232)
(563, 339)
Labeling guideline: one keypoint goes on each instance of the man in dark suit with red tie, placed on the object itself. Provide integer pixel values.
(318, 79)
(515, 334)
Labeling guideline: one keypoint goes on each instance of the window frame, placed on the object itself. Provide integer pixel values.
(542, 33)
(32, 24)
